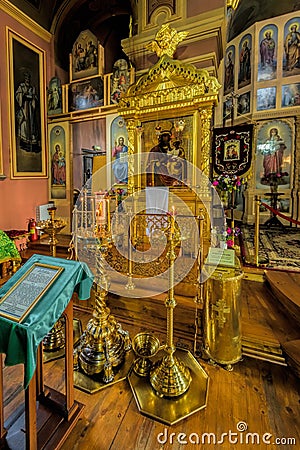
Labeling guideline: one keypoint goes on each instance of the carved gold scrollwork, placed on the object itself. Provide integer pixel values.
(130, 124)
(205, 123)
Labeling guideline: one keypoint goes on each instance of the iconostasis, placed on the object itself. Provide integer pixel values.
(261, 87)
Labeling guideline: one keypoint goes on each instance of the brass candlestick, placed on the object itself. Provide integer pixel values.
(104, 343)
(170, 377)
(200, 291)
(145, 346)
(55, 339)
(130, 284)
(52, 227)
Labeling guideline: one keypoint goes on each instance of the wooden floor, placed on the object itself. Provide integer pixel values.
(263, 395)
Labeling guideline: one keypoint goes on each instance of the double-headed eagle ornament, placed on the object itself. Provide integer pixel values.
(166, 41)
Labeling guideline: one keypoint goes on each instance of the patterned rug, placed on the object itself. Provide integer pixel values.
(278, 248)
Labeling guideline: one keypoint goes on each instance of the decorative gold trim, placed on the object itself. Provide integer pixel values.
(205, 124)
(232, 3)
(25, 20)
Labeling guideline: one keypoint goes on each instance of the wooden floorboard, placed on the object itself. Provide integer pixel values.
(263, 395)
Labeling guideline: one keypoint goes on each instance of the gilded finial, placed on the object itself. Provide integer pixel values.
(166, 41)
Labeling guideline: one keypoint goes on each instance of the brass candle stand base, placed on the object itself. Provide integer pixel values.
(104, 347)
(171, 410)
(104, 344)
(170, 377)
(95, 383)
(55, 339)
(51, 355)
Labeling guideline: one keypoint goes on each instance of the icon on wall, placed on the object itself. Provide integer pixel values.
(119, 152)
(87, 57)
(120, 80)
(290, 95)
(245, 48)
(266, 98)
(273, 154)
(243, 106)
(267, 66)
(54, 96)
(86, 94)
(291, 55)
(229, 70)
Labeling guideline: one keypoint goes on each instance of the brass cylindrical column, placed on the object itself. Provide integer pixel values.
(222, 316)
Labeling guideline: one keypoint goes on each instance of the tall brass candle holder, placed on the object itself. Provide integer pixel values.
(130, 284)
(199, 300)
(55, 339)
(169, 385)
(170, 377)
(102, 351)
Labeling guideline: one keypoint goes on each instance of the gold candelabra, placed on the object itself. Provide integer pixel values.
(170, 377)
(55, 339)
(104, 343)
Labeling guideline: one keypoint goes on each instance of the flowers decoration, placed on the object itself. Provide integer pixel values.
(226, 182)
(231, 234)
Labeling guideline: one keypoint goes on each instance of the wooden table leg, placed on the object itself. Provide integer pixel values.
(30, 414)
(39, 372)
(2, 429)
(68, 314)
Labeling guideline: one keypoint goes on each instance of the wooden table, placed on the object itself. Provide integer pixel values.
(49, 415)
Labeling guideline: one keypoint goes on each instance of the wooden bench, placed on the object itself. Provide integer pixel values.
(286, 288)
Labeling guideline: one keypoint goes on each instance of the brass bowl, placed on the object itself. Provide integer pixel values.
(145, 346)
(49, 226)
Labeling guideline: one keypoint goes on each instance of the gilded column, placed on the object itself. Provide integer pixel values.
(131, 128)
(205, 133)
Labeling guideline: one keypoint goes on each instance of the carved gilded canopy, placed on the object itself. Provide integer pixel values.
(170, 84)
(171, 91)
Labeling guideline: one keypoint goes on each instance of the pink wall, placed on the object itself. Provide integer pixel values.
(18, 198)
(195, 7)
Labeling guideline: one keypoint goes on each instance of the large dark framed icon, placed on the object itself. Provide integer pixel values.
(27, 107)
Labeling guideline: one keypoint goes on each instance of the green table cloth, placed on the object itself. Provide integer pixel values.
(19, 341)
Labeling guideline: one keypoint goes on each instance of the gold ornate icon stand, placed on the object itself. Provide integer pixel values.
(177, 385)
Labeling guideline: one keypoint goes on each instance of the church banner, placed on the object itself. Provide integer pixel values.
(232, 149)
